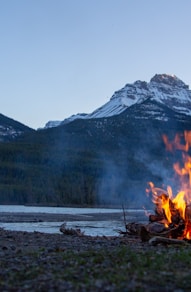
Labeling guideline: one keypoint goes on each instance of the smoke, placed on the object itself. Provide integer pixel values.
(121, 183)
(110, 184)
(159, 163)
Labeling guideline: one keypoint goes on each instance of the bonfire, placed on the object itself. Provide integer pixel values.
(171, 222)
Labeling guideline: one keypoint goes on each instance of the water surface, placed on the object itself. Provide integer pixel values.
(93, 228)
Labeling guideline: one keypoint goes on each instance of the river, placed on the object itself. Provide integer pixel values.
(106, 227)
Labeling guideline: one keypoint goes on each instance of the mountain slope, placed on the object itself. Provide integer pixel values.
(162, 88)
(10, 129)
(104, 160)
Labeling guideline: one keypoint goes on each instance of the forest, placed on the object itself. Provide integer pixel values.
(87, 163)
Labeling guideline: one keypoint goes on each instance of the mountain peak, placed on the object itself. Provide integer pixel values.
(170, 80)
(165, 89)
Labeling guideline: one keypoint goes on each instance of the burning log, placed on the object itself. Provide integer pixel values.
(156, 218)
(165, 210)
(156, 227)
(165, 223)
(188, 213)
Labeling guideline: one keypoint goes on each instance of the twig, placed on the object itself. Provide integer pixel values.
(124, 217)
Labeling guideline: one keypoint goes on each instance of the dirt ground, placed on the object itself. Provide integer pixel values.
(34, 261)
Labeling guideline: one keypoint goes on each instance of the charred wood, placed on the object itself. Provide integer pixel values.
(133, 228)
(156, 218)
(146, 232)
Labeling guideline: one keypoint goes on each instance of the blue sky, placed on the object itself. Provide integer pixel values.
(62, 57)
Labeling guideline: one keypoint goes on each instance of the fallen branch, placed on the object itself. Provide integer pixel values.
(163, 240)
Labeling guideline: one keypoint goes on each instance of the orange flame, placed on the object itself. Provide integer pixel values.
(180, 205)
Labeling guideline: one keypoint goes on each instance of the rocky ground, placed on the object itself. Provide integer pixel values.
(57, 262)
(50, 262)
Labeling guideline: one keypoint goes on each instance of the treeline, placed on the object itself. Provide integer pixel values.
(83, 164)
(29, 175)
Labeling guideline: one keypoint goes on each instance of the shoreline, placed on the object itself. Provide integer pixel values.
(11, 217)
(20, 241)
(92, 224)
(34, 261)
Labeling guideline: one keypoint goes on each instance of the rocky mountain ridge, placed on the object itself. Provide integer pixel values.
(165, 89)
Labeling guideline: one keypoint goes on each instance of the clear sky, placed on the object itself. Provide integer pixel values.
(62, 57)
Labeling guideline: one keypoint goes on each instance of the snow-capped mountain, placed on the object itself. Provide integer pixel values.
(52, 124)
(105, 157)
(165, 89)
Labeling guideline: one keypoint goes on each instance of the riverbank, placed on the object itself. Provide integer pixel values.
(47, 262)
(99, 222)
(56, 262)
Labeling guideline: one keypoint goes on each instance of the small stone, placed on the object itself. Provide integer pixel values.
(4, 247)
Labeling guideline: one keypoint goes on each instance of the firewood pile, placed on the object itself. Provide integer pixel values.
(163, 229)
(171, 221)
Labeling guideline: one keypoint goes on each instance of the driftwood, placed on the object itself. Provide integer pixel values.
(163, 240)
(70, 231)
